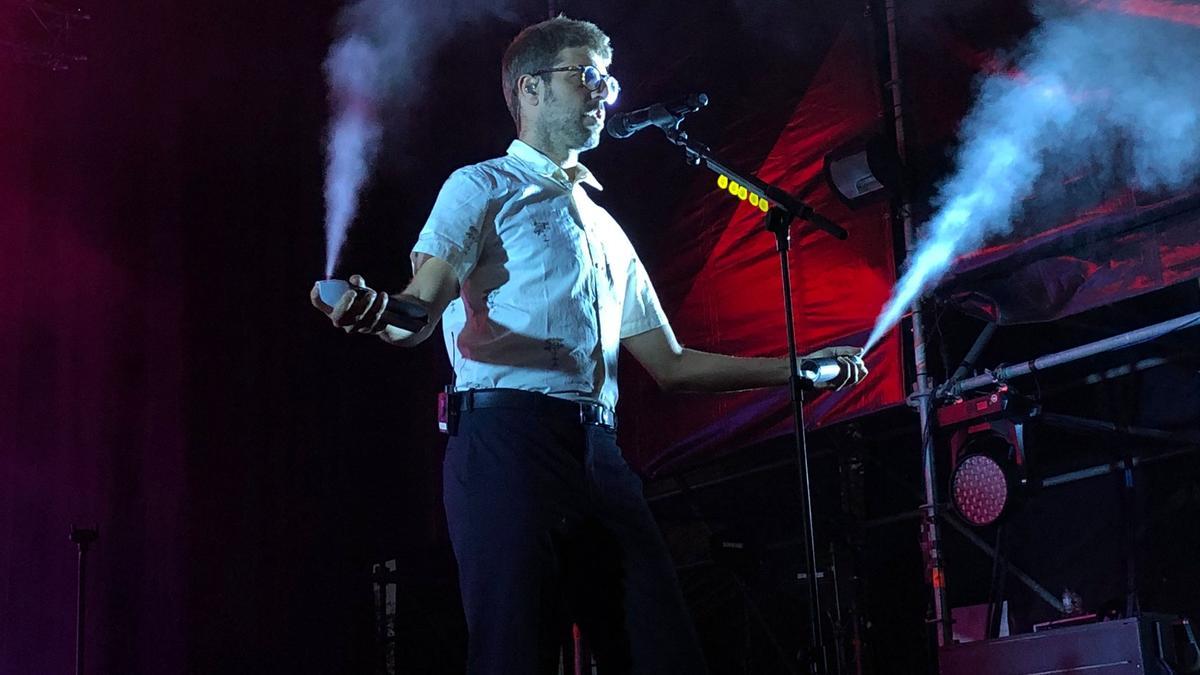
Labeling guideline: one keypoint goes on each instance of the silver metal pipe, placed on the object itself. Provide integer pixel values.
(922, 396)
(1088, 425)
(1105, 469)
(1114, 343)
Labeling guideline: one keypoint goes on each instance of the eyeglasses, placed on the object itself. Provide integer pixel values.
(592, 79)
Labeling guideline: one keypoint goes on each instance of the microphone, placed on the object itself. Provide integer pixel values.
(661, 115)
(399, 313)
(404, 314)
(819, 370)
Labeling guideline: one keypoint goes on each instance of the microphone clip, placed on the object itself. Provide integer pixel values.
(666, 116)
(669, 119)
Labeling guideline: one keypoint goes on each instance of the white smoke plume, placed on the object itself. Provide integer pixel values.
(353, 71)
(1093, 91)
(380, 62)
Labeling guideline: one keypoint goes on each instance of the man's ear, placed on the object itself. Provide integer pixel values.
(528, 89)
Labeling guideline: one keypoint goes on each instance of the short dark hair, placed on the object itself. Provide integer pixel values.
(538, 45)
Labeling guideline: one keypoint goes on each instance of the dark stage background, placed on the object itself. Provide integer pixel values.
(163, 377)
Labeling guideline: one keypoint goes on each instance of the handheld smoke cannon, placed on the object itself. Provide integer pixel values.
(397, 312)
(819, 370)
(834, 368)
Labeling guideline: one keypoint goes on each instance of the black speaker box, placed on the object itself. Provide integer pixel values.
(1122, 647)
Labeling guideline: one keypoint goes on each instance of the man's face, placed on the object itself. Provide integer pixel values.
(571, 117)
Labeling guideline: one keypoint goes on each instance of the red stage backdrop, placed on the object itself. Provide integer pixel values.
(722, 287)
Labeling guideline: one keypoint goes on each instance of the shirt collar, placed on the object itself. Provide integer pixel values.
(545, 166)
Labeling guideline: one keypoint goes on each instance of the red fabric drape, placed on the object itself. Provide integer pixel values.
(723, 293)
(1118, 250)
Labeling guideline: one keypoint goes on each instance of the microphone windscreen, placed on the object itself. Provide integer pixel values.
(617, 127)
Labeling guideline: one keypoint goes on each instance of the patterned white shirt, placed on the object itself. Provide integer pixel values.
(549, 281)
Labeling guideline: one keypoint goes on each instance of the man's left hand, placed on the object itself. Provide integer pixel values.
(850, 359)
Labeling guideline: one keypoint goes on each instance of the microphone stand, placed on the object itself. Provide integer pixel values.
(83, 538)
(783, 210)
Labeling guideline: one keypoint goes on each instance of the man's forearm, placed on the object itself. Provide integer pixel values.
(707, 372)
(398, 337)
(433, 287)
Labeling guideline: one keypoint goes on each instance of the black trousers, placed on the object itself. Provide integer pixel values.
(550, 527)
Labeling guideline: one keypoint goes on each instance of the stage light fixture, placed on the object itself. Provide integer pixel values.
(987, 455)
(981, 489)
(862, 171)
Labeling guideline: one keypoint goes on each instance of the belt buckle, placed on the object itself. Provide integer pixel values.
(595, 415)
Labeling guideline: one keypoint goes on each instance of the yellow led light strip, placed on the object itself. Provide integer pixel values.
(740, 191)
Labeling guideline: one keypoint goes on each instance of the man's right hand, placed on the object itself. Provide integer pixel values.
(357, 311)
(433, 286)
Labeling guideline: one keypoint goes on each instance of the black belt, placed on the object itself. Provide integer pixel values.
(576, 411)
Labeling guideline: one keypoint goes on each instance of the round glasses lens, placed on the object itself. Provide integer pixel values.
(593, 80)
(614, 89)
(591, 77)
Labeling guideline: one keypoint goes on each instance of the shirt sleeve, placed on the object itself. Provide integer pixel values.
(641, 311)
(454, 229)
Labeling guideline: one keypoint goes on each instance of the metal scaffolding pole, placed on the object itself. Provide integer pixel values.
(922, 396)
(1130, 339)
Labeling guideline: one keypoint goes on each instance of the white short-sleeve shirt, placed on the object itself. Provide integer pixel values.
(549, 281)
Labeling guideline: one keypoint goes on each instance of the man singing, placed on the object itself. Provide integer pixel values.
(537, 288)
